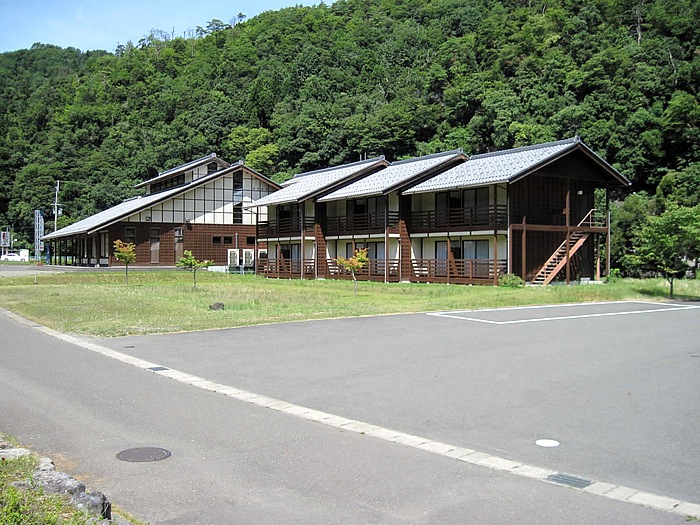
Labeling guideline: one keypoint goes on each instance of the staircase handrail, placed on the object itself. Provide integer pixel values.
(590, 219)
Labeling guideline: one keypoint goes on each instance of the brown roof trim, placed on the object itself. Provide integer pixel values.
(575, 146)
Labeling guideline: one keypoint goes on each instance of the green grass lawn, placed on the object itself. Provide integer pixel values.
(101, 304)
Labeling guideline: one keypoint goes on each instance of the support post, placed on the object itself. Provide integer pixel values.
(607, 234)
(302, 248)
(568, 231)
(524, 249)
(386, 238)
(495, 235)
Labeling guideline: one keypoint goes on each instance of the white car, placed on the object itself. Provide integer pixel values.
(14, 257)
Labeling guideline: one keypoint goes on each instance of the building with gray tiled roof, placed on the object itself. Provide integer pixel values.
(198, 206)
(445, 218)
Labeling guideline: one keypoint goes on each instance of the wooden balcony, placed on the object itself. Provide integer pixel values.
(360, 223)
(287, 268)
(283, 228)
(462, 271)
(456, 271)
(459, 219)
(375, 270)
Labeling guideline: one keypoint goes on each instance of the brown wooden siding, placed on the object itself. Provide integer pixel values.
(197, 238)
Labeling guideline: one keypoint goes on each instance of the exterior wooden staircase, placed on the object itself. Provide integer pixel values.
(557, 261)
(321, 262)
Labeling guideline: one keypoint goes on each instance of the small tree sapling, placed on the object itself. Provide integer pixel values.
(125, 252)
(354, 263)
(189, 263)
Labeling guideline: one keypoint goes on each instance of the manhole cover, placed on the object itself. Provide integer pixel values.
(143, 454)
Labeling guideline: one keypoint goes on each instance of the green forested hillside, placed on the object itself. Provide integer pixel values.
(307, 87)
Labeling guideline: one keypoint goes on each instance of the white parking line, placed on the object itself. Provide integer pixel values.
(457, 314)
(608, 490)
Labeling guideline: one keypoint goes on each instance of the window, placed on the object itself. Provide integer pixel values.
(476, 250)
(228, 240)
(168, 183)
(238, 213)
(238, 180)
(179, 235)
(155, 245)
(476, 197)
(375, 250)
(216, 240)
(104, 244)
(289, 251)
(130, 234)
(238, 198)
(212, 167)
(250, 239)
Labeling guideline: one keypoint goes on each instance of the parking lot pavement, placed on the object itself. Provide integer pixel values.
(619, 392)
(430, 418)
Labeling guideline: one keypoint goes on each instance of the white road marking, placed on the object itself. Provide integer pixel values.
(457, 314)
(482, 459)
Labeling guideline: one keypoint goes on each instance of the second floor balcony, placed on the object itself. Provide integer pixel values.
(456, 219)
(284, 227)
(357, 223)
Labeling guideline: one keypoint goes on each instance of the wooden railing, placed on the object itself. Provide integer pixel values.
(459, 218)
(457, 270)
(287, 227)
(423, 270)
(287, 268)
(360, 223)
(595, 219)
(376, 269)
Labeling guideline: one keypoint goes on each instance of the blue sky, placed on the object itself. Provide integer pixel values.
(103, 24)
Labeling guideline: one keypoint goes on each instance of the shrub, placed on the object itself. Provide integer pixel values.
(613, 276)
(510, 280)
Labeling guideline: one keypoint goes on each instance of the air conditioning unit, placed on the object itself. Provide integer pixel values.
(248, 257)
(234, 257)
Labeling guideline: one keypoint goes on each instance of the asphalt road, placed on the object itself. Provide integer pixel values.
(619, 392)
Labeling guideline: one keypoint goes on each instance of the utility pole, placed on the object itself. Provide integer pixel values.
(56, 209)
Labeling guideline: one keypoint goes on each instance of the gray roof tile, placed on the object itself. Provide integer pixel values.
(396, 173)
(184, 167)
(306, 184)
(136, 204)
(490, 168)
(110, 215)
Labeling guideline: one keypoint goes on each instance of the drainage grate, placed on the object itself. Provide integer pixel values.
(157, 368)
(571, 481)
(143, 454)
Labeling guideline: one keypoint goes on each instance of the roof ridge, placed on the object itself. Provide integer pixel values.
(201, 159)
(426, 157)
(573, 140)
(340, 166)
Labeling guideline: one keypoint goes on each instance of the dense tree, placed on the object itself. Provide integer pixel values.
(306, 87)
(669, 243)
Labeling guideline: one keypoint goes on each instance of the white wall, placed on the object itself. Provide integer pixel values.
(212, 203)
